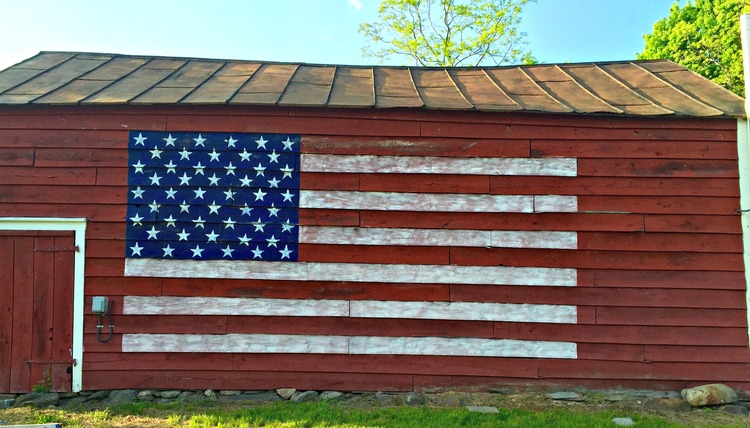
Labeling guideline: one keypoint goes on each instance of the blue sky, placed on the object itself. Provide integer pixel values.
(315, 31)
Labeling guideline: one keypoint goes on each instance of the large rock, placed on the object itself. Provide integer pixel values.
(120, 397)
(302, 397)
(709, 395)
(38, 399)
(286, 393)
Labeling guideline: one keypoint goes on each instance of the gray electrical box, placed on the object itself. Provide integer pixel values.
(99, 305)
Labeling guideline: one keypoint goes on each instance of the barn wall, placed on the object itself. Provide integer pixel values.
(660, 291)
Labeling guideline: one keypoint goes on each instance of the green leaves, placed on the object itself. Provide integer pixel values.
(448, 32)
(704, 37)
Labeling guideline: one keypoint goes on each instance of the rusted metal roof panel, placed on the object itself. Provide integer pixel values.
(637, 88)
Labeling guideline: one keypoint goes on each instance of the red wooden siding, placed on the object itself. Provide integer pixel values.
(660, 293)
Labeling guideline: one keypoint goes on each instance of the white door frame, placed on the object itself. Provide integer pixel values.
(78, 227)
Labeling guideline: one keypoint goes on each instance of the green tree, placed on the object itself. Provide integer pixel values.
(703, 36)
(448, 32)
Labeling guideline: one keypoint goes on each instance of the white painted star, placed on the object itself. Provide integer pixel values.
(183, 235)
(212, 236)
(153, 232)
(245, 182)
(184, 154)
(199, 141)
(154, 206)
(213, 208)
(199, 193)
(272, 241)
(170, 221)
(273, 157)
(287, 196)
(287, 226)
(184, 207)
(156, 153)
(273, 183)
(199, 168)
(245, 155)
(136, 250)
(261, 142)
(259, 170)
(140, 139)
(259, 225)
(214, 155)
(170, 193)
(170, 167)
(170, 141)
(197, 251)
(139, 167)
(138, 193)
(227, 251)
(285, 252)
(273, 211)
(199, 222)
(136, 219)
(246, 210)
(257, 252)
(260, 194)
(229, 193)
(230, 168)
(288, 144)
(230, 142)
(213, 180)
(168, 251)
(287, 171)
(229, 223)
(185, 180)
(244, 240)
(155, 179)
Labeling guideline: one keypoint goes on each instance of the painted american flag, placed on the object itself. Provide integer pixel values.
(226, 205)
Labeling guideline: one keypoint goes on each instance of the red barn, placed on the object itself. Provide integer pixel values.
(200, 223)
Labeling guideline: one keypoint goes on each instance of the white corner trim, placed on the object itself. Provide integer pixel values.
(78, 227)
(743, 163)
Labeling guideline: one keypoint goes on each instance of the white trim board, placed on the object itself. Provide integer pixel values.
(78, 227)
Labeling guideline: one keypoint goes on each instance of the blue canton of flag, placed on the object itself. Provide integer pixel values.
(209, 196)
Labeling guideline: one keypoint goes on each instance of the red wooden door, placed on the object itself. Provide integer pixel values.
(36, 310)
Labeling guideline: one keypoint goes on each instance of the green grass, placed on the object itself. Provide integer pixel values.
(319, 414)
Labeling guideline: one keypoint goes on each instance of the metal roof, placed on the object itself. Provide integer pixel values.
(637, 88)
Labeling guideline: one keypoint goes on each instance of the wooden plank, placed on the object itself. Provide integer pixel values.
(643, 260)
(104, 267)
(286, 289)
(23, 309)
(351, 272)
(414, 201)
(631, 297)
(627, 335)
(56, 176)
(16, 157)
(614, 186)
(359, 326)
(698, 354)
(326, 217)
(671, 316)
(693, 372)
(65, 139)
(603, 167)
(610, 352)
(168, 305)
(173, 324)
(89, 122)
(693, 223)
(411, 183)
(670, 279)
(659, 205)
(62, 322)
(509, 221)
(436, 237)
(438, 165)
(93, 212)
(48, 157)
(43, 309)
(52, 194)
(323, 181)
(123, 286)
(455, 147)
(119, 362)
(239, 380)
(7, 312)
(555, 204)
(682, 148)
(645, 241)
